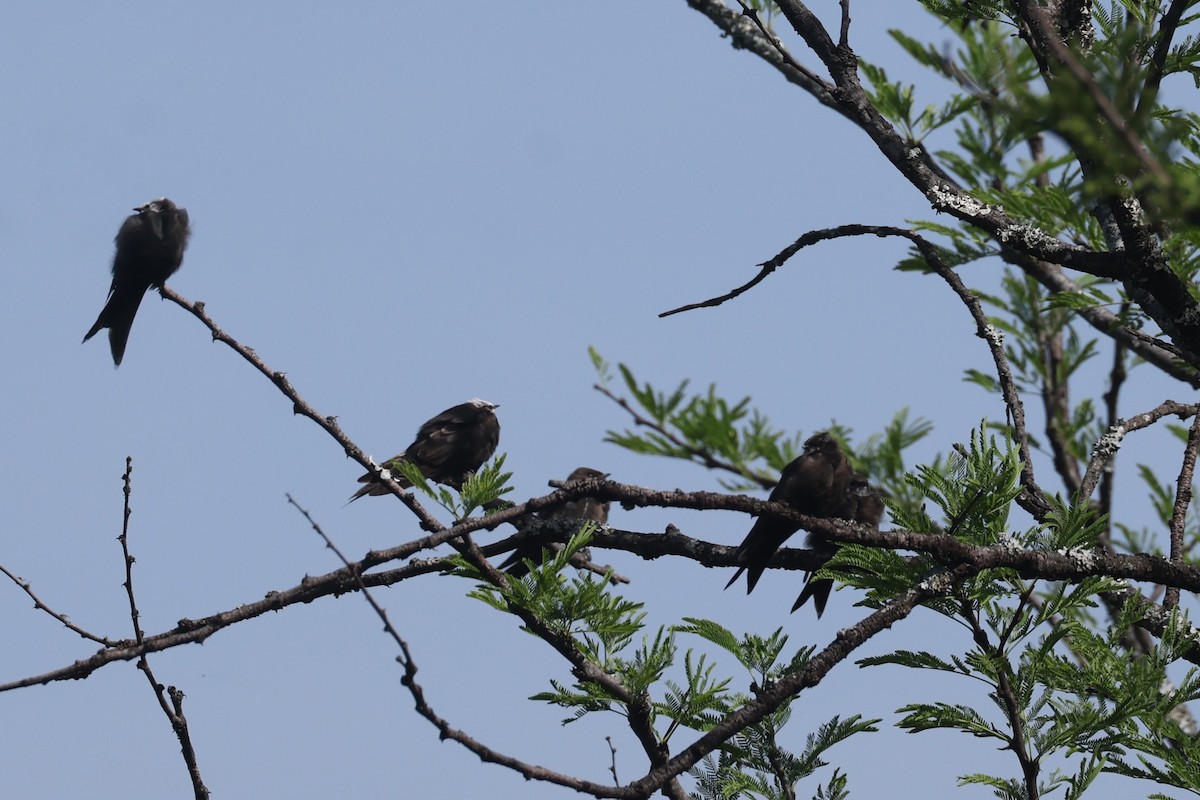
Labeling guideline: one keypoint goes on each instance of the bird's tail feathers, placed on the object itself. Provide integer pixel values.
(736, 575)
(818, 590)
(752, 576)
(117, 315)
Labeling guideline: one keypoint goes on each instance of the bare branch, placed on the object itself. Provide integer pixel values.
(1069, 565)
(174, 710)
(299, 406)
(25, 586)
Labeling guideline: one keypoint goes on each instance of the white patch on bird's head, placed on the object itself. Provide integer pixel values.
(157, 205)
(475, 401)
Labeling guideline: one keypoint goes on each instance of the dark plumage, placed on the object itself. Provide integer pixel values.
(584, 508)
(862, 503)
(150, 247)
(448, 447)
(812, 484)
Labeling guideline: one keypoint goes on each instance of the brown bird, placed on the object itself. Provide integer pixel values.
(448, 447)
(583, 508)
(813, 484)
(862, 503)
(150, 247)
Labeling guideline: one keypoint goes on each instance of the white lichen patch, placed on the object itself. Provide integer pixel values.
(1081, 557)
(1009, 541)
(945, 199)
(936, 584)
(1109, 443)
(1030, 238)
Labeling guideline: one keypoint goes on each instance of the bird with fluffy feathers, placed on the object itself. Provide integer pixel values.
(447, 448)
(149, 249)
(813, 484)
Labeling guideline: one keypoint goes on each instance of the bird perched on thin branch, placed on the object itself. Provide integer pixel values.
(150, 247)
(862, 503)
(812, 484)
(580, 509)
(448, 447)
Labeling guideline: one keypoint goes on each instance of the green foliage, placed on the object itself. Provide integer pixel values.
(701, 428)
(480, 489)
(1069, 526)
(974, 488)
(896, 102)
(1046, 354)
(753, 763)
(602, 628)
(738, 439)
(1057, 688)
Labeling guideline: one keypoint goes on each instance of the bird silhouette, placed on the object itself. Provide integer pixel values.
(813, 484)
(149, 250)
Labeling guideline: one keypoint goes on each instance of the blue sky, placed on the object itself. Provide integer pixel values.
(405, 206)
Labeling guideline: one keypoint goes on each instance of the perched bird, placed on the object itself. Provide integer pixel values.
(448, 447)
(150, 247)
(862, 503)
(584, 508)
(812, 484)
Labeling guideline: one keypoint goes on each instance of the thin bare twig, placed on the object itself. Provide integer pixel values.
(25, 586)
(299, 406)
(1116, 380)
(409, 680)
(812, 82)
(1056, 400)
(173, 710)
(779, 259)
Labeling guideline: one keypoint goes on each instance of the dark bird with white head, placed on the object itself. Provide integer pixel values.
(446, 449)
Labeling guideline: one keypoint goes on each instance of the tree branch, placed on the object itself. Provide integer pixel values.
(173, 710)
(329, 424)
